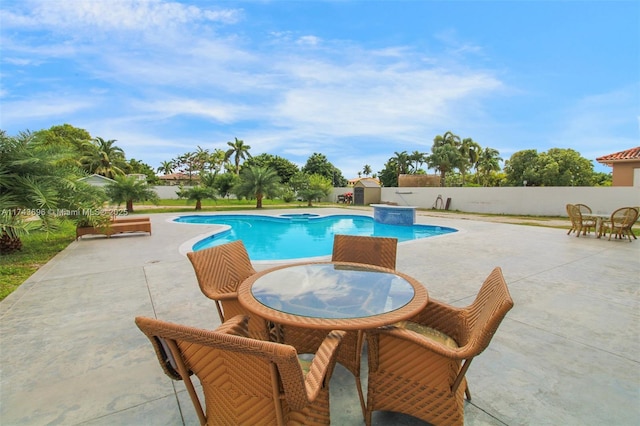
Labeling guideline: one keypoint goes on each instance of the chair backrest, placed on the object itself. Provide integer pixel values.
(584, 209)
(487, 312)
(624, 216)
(571, 212)
(221, 269)
(379, 251)
(232, 369)
(576, 214)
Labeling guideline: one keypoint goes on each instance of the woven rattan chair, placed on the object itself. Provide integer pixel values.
(620, 223)
(580, 222)
(418, 367)
(379, 251)
(220, 270)
(245, 381)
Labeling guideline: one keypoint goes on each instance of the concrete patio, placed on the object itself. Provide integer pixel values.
(568, 353)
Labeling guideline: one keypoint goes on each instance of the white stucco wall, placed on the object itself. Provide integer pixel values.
(535, 201)
(167, 192)
(532, 201)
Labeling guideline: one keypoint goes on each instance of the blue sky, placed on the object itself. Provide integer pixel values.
(353, 80)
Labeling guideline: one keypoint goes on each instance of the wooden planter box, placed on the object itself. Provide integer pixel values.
(117, 226)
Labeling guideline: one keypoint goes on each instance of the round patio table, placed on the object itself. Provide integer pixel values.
(332, 295)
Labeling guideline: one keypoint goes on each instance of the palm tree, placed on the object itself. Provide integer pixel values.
(216, 160)
(258, 182)
(366, 170)
(240, 150)
(402, 162)
(470, 152)
(34, 183)
(198, 193)
(166, 167)
(128, 189)
(449, 138)
(103, 158)
(418, 158)
(445, 154)
(488, 162)
(444, 158)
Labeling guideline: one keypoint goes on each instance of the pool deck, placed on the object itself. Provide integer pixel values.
(568, 353)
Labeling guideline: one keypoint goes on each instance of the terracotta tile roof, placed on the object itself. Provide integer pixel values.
(629, 154)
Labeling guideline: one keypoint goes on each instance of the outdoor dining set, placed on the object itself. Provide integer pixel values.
(617, 224)
(284, 329)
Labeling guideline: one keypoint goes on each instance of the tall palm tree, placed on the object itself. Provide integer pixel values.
(366, 170)
(216, 160)
(488, 162)
(470, 152)
(103, 158)
(402, 162)
(418, 159)
(445, 155)
(444, 158)
(448, 138)
(258, 182)
(166, 167)
(239, 151)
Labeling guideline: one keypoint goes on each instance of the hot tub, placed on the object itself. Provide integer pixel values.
(394, 215)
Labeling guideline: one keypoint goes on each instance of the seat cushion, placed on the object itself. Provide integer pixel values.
(428, 332)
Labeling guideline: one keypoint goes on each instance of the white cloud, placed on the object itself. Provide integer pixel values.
(309, 40)
(135, 15)
(291, 96)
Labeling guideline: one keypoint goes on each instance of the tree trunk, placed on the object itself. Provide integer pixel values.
(198, 205)
(129, 206)
(259, 201)
(9, 244)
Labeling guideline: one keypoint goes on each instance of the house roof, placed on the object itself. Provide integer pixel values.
(368, 183)
(363, 179)
(96, 177)
(178, 176)
(632, 154)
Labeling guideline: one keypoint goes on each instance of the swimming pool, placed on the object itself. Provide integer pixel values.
(297, 236)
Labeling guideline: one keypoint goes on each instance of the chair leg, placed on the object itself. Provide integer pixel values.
(363, 407)
(359, 346)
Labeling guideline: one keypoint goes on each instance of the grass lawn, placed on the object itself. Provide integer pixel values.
(37, 249)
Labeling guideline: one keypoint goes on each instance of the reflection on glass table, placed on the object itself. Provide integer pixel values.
(333, 295)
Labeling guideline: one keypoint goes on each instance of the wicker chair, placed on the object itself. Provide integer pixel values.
(620, 223)
(245, 381)
(379, 251)
(417, 367)
(580, 222)
(219, 271)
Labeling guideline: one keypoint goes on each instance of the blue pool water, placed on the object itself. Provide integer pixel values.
(299, 236)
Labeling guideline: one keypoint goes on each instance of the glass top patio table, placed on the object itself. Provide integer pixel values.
(332, 295)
